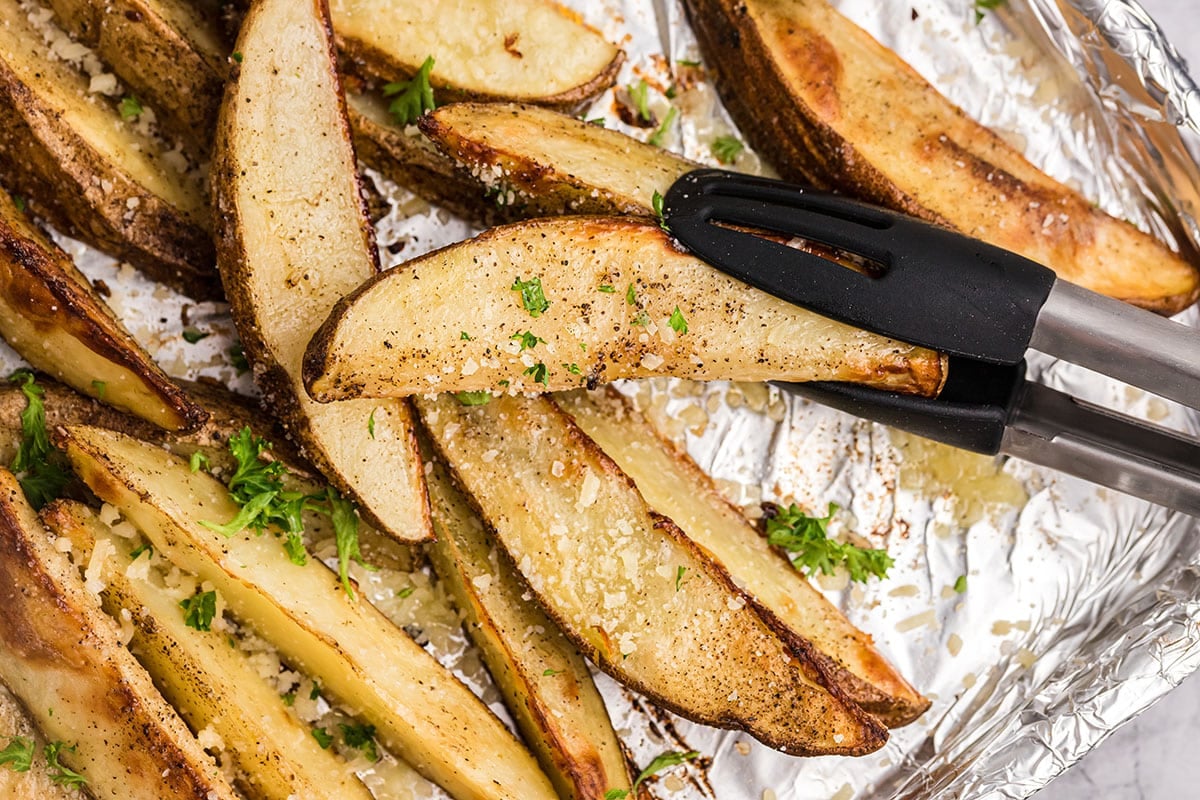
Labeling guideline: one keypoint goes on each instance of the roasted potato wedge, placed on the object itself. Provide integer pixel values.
(538, 162)
(453, 321)
(422, 713)
(91, 173)
(545, 682)
(827, 104)
(211, 684)
(166, 51)
(531, 51)
(60, 655)
(35, 783)
(634, 594)
(293, 238)
(52, 317)
(673, 485)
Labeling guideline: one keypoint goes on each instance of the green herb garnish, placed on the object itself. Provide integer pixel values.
(532, 297)
(413, 97)
(101, 388)
(986, 5)
(604, 287)
(656, 203)
(538, 373)
(631, 295)
(660, 762)
(464, 336)
(550, 673)
(480, 398)
(41, 479)
(130, 107)
(371, 424)
(679, 577)
(237, 57)
(806, 539)
(199, 610)
(18, 755)
(324, 738)
(60, 773)
(237, 357)
(639, 93)
(678, 323)
(528, 340)
(726, 149)
(660, 133)
(191, 335)
(198, 461)
(960, 585)
(362, 738)
(19, 202)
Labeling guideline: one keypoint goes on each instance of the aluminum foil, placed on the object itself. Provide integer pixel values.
(1080, 606)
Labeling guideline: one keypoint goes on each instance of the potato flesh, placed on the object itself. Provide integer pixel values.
(554, 163)
(829, 103)
(210, 683)
(65, 91)
(421, 711)
(545, 682)
(673, 485)
(607, 569)
(296, 239)
(476, 45)
(34, 784)
(406, 332)
(61, 657)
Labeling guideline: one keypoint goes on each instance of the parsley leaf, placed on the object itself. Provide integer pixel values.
(362, 738)
(405, 592)
(464, 336)
(538, 373)
(198, 461)
(806, 539)
(19, 202)
(678, 323)
(607, 289)
(324, 738)
(199, 610)
(481, 398)
(18, 755)
(986, 5)
(656, 203)
(528, 340)
(101, 388)
(572, 368)
(371, 424)
(550, 673)
(639, 93)
(631, 295)
(62, 774)
(345, 533)
(960, 585)
(662, 761)
(142, 548)
(41, 479)
(727, 149)
(679, 577)
(413, 97)
(532, 297)
(660, 133)
(130, 107)
(237, 357)
(192, 335)
(642, 319)
(237, 57)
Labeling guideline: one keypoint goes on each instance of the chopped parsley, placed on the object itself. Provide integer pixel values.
(684, 62)
(344, 517)
(532, 297)
(371, 424)
(361, 738)
(679, 577)
(806, 540)
(60, 773)
(315, 691)
(324, 738)
(405, 592)
(199, 610)
(600, 121)
(660, 133)
(550, 673)
(481, 398)
(639, 93)
(678, 323)
(237, 57)
(137, 551)
(606, 288)
(192, 335)
(631, 295)
(727, 149)
(960, 585)
(660, 762)
(572, 368)
(528, 340)
(642, 319)
(130, 107)
(413, 97)
(986, 5)
(538, 373)
(41, 479)
(656, 203)
(198, 461)
(19, 202)
(237, 357)
(289, 699)
(464, 336)
(18, 755)
(101, 387)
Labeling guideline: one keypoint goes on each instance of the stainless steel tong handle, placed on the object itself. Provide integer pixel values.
(1118, 340)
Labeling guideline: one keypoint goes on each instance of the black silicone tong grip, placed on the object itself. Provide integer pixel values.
(938, 288)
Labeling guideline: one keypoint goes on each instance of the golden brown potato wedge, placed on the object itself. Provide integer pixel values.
(93, 174)
(52, 317)
(673, 485)
(166, 51)
(454, 321)
(60, 655)
(827, 104)
(211, 684)
(531, 51)
(293, 238)
(422, 713)
(545, 682)
(539, 162)
(634, 594)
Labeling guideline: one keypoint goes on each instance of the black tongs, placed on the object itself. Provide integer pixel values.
(982, 305)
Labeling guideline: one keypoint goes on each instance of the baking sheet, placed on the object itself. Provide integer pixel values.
(1081, 605)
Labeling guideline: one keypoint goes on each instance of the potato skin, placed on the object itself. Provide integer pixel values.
(819, 98)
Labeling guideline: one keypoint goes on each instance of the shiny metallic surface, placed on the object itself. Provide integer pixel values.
(1135, 346)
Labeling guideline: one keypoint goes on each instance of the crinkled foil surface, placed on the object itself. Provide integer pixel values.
(1080, 606)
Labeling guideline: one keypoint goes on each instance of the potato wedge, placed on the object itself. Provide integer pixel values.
(211, 684)
(634, 594)
(166, 51)
(34, 783)
(91, 173)
(422, 713)
(828, 104)
(293, 238)
(51, 316)
(532, 51)
(60, 655)
(542, 163)
(453, 321)
(545, 682)
(673, 485)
